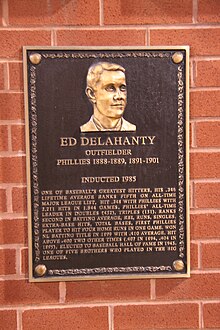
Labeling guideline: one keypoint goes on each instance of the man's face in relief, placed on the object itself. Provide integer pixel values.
(111, 94)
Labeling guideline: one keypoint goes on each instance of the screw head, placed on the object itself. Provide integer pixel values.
(178, 265)
(177, 57)
(40, 270)
(35, 58)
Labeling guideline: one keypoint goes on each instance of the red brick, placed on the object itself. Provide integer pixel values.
(208, 11)
(192, 288)
(208, 74)
(207, 134)
(201, 41)
(205, 103)
(16, 76)
(211, 315)
(24, 261)
(13, 231)
(11, 41)
(204, 165)
(3, 200)
(210, 255)
(205, 225)
(1, 76)
(95, 318)
(175, 316)
(18, 137)
(7, 261)
(147, 12)
(70, 12)
(193, 256)
(23, 292)
(96, 291)
(12, 106)
(9, 319)
(101, 37)
(3, 138)
(207, 195)
(19, 200)
(12, 169)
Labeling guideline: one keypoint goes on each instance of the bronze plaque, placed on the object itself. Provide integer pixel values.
(107, 162)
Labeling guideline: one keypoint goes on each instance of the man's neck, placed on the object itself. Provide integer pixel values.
(105, 122)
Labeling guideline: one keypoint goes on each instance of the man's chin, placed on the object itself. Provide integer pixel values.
(117, 114)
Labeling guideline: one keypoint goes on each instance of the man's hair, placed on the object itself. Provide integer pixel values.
(95, 71)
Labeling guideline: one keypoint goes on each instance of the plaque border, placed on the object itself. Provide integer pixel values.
(33, 225)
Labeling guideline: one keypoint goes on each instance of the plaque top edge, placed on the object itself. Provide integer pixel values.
(176, 47)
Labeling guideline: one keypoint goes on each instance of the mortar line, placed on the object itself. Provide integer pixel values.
(206, 57)
(195, 11)
(202, 119)
(6, 76)
(201, 320)
(111, 317)
(207, 180)
(152, 289)
(204, 150)
(158, 26)
(105, 304)
(12, 122)
(9, 91)
(204, 89)
(147, 37)
(12, 246)
(10, 150)
(205, 272)
(211, 240)
(193, 72)
(10, 153)
(101, 13)
(205, 211)
(191, 195)
(53, 38)
(62, 292)
(11, 216)
(193, 132)
(13, 278)
(5, 21)
(9, 199)
(18, 261)
(19, 320)
(199, 255)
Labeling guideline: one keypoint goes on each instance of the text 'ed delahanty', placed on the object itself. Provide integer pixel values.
(108, 141)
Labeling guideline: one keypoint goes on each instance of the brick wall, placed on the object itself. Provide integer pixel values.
(112, 305)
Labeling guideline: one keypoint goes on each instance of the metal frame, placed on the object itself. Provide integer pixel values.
(28, 160)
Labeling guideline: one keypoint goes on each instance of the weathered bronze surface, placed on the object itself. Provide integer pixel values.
(107, 162)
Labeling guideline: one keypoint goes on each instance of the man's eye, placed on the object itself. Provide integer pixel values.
(110, 89)
(123, 88)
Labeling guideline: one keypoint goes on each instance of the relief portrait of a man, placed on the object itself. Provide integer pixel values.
(107, 91)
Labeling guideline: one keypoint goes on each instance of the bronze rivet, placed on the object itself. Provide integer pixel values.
(40, 270)
(177, 57)
(35, 58)
(178, 265)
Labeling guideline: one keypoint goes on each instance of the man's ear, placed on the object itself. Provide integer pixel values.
(90, 94)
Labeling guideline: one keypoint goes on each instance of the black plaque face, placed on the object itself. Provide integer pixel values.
(107, 162)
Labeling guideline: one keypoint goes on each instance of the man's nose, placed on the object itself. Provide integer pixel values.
(118, 94)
